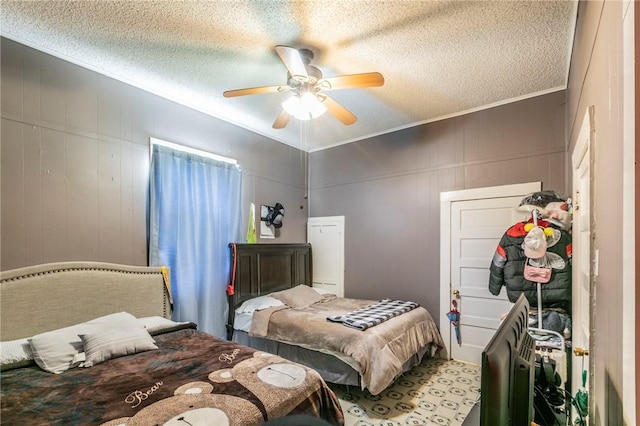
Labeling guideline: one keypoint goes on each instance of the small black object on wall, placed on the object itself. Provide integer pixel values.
(270, 216)
(275, 215)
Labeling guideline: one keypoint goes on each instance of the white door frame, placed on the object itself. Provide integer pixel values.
(446, 199)
(584, 262)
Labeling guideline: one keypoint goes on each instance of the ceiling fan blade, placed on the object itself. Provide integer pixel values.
(338, 111)
(369, 79)
(292, 60)
(254, 91)
(282, 120)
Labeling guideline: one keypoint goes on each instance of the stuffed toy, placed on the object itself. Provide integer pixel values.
(550, 207)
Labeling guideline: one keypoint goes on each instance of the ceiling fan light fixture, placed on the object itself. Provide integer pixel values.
(304, 106)
(306, 83)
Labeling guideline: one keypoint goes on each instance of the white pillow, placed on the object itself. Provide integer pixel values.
(105, 344)
(59, 350)
(18, 352)
(15, 352)
(257, 303)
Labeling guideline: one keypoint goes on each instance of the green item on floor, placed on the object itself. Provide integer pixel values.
(582, 402)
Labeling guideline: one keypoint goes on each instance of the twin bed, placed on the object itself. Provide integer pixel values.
(372, 358)
(145, 368)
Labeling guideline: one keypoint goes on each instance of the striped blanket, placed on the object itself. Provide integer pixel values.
(375, 314)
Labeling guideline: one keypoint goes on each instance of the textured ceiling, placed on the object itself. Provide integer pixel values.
(439, 58)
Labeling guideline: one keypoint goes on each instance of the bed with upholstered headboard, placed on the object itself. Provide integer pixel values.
(40, 298)
(265, 275)
(92, 343)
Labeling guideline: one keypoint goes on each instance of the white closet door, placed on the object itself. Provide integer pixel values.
(326, 236)
(472, 222)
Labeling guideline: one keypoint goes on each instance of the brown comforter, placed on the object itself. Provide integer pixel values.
(193, 378)
(379, 352)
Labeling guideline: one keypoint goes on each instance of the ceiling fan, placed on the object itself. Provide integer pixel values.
(307, 85)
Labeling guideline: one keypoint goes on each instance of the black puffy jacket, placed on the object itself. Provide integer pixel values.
(507, 269)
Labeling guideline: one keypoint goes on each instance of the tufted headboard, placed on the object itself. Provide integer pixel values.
(40, 298)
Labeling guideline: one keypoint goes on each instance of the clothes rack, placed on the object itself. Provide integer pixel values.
(540, 331)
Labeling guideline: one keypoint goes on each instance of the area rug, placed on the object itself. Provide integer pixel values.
(436, 392)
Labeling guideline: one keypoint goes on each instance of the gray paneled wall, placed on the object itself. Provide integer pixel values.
(75, 162)
(598, 79)
(388, 188)
(75, 173)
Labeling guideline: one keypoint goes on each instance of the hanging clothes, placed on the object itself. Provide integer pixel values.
(507, 266)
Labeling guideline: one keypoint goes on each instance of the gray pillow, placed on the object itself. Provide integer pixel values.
(105, 344)
(59, 350)
(299, 296)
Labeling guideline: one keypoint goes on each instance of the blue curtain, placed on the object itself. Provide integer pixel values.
(195, 212)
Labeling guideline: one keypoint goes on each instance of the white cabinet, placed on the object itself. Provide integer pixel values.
(326, 236)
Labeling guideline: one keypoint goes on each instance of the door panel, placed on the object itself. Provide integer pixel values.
(473, 222)
(474, 228)
(475, 339)
(582, 263)
(473, 281)
(326, 236)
